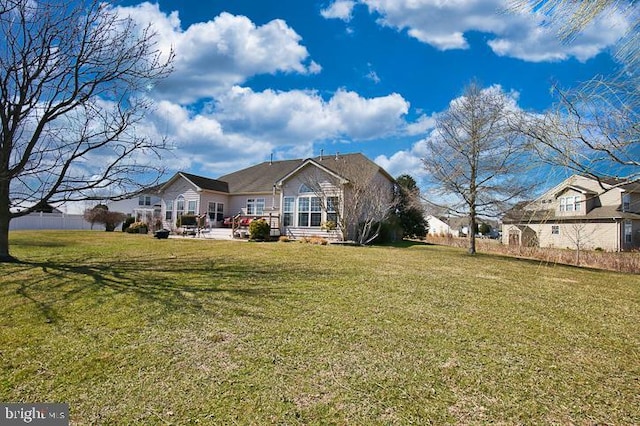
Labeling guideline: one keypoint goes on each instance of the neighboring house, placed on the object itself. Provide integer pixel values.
(299, 197)
(579, 213)
(443, 226)
(144, 206)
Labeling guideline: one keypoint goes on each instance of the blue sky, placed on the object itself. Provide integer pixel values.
(293, 77)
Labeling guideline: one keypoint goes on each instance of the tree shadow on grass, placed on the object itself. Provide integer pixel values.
(405, 244)
(227, 289)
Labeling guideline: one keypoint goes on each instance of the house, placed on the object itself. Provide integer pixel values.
(457, 226)
(143, 206)
(444, 226)
(300, 197)
(580, 213)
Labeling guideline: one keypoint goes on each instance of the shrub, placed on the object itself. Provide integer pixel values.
(283, 239)
(314, 239)
(127, 223)
(138, 228)
(101, 214)
(259, 230)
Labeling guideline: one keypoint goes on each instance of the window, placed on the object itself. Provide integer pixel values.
(144, 200)
(168, 214)
(192, 206)
(304, 204)
(628, 231)
(555, 230)
(304, 189)
(332, 205)
(255, 206)
(211, 211)
(309, 211)
(215, 211)
(570, 204)
(626, 202)
(179, 206)
(316, 211)
(287, 211)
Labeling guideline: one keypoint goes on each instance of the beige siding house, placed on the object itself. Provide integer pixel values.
(301, 197)
(580, 213)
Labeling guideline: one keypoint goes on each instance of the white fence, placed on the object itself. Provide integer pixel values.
(51, 221)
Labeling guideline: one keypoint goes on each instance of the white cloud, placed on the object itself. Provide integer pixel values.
(443, 25)
(256, 124)
(405, 161)
(340, 9)
(373, 76)
(215, 55)
(410, 161)
(421, 126)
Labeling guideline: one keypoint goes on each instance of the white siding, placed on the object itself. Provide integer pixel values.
(587, 235)
(179, 188)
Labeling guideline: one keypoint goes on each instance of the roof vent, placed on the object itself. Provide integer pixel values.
(337, 155)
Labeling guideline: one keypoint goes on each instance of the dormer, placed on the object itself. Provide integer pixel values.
(575, 200)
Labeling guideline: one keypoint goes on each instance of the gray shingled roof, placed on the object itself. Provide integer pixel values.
(259, 178)
(262, 177)
(207, 183)
(524, 215)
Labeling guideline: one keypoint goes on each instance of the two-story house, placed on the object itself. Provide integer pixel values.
(579, 212)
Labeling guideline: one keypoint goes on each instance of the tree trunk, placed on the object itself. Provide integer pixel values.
(472, 230)
(5, 218)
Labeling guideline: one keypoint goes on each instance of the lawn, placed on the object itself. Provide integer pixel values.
(132, 330)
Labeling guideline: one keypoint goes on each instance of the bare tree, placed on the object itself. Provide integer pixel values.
(593, 130)
(580, 237)
(357, 192)
(475, 159)
(570, 18)
(594, 127)
(72, 81)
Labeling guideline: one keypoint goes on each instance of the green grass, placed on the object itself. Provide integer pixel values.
(132, 330)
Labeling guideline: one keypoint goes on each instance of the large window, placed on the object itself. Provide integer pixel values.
(179, 206)
(309, 211)
(287, 211)
(628, 231)
(570, 204)
(215, 211)
(192, 207)
(255, 206)
(168, 215)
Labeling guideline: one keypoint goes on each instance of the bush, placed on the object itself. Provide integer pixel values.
(127, 223)
(101, 214)
(138, 228)
(259, 230)
(315, 239)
